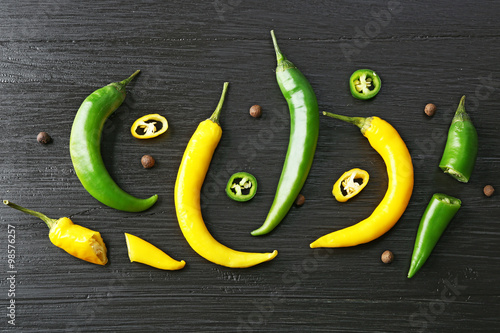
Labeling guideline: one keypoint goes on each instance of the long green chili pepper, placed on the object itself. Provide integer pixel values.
(436, 218)
(460, 152)
(85, 148)
(304, 131)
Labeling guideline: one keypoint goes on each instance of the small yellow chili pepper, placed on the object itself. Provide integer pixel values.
(347, 184)
(148, 127)
(78, 241)
(192, 172)
(388, 143)
(146, 253)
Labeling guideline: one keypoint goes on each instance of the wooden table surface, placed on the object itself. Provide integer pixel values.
(55, 53)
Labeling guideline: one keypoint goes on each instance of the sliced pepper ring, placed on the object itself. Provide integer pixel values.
(146, 127)
(364, 84)
(242, 186)
(347, 187)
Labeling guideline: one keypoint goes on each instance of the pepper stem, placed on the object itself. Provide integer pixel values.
(461, 114)
(362, 123)
(120, 86)
(130, 78)
(215, 116)
(48, 221)
(279, 56)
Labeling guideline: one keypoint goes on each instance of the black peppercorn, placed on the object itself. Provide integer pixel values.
(256, 111)
(43, 137)
(488, 190)
(387, 257)
(300, 200)
(430, 109)
(147, 161)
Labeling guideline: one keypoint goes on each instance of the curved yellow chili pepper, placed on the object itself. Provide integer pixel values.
(78, 241)
(192, 172)
(347, 184)
(146, 253)
(148, 126)
(387, 142)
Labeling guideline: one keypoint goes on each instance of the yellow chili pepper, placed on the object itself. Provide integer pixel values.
(146, 253)
(148, 127)
(78, 241)
(347, 184)
(192, 172)
(387, 142)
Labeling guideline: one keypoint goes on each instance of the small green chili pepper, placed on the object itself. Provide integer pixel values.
(85, 148)
(460, 152)
(304, 132)
(242, 186)
(364, 84)
(436, 218)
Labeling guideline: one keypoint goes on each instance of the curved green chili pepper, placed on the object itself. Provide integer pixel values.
(242, 186)
(85, 148)
(460, 152)
(364, 84)
(437, 215)
(304, 131)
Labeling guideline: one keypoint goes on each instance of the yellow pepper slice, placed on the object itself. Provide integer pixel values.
(146, 253)
(146, 127)
(347, 184)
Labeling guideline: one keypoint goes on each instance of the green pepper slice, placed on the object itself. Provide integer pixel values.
(242, 186)
(364, 84)
(436, 218)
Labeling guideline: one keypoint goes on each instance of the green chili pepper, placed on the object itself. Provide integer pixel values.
(437, 215)
(242, 186)
(364, 84)
(460, 152)
(85, 148)
(304, 131)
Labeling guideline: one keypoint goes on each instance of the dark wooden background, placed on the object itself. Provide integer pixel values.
(55, 53)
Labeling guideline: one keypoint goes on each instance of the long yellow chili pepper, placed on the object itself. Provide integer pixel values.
(78, 241)
(192, 172)
(388, 143)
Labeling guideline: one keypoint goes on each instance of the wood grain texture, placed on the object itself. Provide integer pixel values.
(54, 54)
